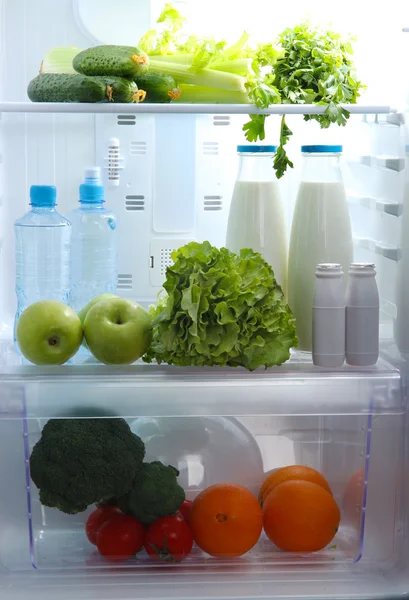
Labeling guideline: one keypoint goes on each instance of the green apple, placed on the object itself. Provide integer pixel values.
(118, 331)
(49, 333)
(84, 311)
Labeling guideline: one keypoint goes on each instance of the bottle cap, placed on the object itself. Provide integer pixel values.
(92, 191)
(329, 269)
(257, 149)
(363, 268)
(43, 195)
(322, 149)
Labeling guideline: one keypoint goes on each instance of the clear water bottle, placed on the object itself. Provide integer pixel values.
(42, 252)
(94, 253)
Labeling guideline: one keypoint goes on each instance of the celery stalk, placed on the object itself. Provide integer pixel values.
(59, 60)
(240, 66)
(236, 49)
(195, 94)
(205, 77)
(182, 59)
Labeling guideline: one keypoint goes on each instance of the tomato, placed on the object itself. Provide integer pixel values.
(169, 539)
(185, 509)
(96, 519)
(120, 538)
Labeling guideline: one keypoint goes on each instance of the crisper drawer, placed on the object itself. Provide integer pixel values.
(214, 426)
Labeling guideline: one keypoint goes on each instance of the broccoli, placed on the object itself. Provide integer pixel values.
(155, 493)
(79, 462)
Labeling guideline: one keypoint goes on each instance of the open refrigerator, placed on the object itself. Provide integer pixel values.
(178, 166)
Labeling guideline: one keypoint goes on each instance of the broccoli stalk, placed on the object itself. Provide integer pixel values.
(155, 493)
(79, 462)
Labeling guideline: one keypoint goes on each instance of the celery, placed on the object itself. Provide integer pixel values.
(59, 60)
(195, 94)
(240, 66)
(205, 77)
(182, 59)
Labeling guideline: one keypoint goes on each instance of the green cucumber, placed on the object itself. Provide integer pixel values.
(159, 87)
(53, 87)
(120, 61)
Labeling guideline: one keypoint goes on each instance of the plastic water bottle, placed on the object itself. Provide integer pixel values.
(328, 317)
(94, 254)
(42, 252)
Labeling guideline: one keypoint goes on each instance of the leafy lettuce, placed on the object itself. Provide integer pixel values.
(221, 309)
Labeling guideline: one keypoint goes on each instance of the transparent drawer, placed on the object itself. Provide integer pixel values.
(213, 426)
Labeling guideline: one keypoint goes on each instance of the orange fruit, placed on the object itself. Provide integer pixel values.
(300, 516)
(226, 520)
(288, 474)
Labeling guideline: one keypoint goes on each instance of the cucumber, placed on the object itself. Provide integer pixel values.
(120, 61)
(159, 87)
(51, 87)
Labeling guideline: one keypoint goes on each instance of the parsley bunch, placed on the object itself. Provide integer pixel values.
(315, 67)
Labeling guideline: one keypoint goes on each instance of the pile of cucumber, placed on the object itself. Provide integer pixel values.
(105, 74)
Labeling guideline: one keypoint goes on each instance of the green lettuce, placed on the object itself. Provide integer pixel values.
(221, 309)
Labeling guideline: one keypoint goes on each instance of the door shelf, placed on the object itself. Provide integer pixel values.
(244, 109)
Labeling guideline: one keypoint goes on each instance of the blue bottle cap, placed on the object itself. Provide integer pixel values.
(258, 149)
(43, 195)
(322, 149)
(92, 194)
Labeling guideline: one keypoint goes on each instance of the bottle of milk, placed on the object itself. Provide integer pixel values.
(256, 218)
(321, 232)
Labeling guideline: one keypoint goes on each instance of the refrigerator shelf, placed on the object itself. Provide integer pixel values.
(244, 109)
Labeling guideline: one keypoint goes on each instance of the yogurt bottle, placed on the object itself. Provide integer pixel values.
(362, 316)
(328, 317)
(256, 218)
(321, 232)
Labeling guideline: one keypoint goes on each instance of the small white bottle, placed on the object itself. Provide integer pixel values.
(362, 316)
(328, 317)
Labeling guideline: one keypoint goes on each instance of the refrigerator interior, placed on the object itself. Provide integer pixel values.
(175, 184)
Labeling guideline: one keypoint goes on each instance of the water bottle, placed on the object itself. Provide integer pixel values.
(42, 252)
(362, 316)
(94, 254)
(328, 317)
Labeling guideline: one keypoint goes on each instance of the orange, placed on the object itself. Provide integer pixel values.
(226, 520)
(300, 516)
(288, 474)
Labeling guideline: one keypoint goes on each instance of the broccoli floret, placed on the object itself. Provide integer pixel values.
(155, 493)
(79, 462)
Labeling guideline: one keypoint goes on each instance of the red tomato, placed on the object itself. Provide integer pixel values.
(169, 539)
(185, 509)
(120, 538)
(96, 519)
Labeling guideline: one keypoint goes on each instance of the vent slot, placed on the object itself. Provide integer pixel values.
(211, 148)
(125, 282)
(137, 148)
(221, 121)
(126, 119)
(213, 203)
(165, 260)
(135, 203)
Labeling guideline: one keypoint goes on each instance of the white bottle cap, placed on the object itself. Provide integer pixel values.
(329, 269)
(93, 175)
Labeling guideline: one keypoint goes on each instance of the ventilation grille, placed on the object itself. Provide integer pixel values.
(137, 148)
(221, 120)
(126, 119)
(135, 203)
(210, 148)
(125, 282)
(213, 203)
(165, 260)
